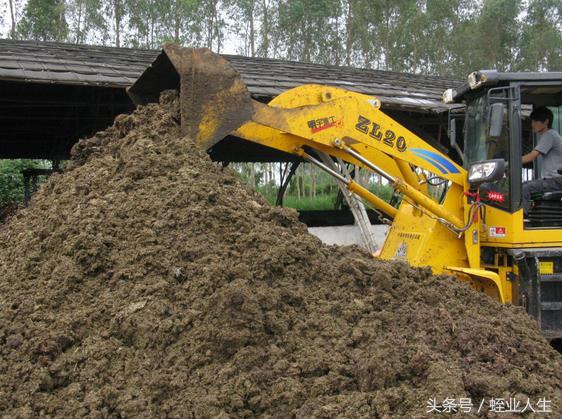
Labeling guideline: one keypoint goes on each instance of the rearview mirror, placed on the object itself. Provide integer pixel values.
(496, 119)
(453, 136)
(453, 132)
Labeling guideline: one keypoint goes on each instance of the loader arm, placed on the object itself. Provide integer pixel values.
(312, 119)
(352, 127)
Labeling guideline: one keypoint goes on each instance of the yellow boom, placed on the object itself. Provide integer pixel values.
(313, 120)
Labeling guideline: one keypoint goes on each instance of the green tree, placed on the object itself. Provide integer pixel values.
(310, 31)
(43, 20)
(209, 26)
(403, 36)
(87, 22)
(11, 180)
(180, 18)
(445, 26)
(459, 43)
(13, 10)
(252, 22)
(146, 22)
(385, 34)
(244, 13)
(360, 46)
(267, 20)
(541, 40)
(116, 13)
(444, 37)
(495, 35)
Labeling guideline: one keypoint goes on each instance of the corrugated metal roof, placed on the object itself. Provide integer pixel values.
(49, 62)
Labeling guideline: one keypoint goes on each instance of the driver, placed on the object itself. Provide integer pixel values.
(550, 148)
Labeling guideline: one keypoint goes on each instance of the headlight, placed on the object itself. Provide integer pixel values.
(486, 171)
(481, 170)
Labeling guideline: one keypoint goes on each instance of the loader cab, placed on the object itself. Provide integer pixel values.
(497, 126)
(525, 253)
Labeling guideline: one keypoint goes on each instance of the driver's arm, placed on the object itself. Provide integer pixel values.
(529, 157)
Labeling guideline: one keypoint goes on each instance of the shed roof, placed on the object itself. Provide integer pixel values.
(55, 62)
(50, 62)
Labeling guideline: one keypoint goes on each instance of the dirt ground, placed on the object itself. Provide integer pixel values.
(147, 281)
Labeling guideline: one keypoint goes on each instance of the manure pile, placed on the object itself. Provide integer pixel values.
(146, 280)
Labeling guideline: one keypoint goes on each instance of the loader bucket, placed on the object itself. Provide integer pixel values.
(214, 100)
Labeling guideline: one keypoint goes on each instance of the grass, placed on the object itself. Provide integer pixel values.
(320, 202)
(324, 202)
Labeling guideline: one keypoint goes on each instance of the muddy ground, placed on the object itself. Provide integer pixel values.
(146, 280)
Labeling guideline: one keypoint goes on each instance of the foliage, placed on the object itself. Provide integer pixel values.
(323, 202)
(310, 187)
(541, 38)
(44, 20)
(10, 14)
(497, 33)
(444, 37)
(11, 180)
(320, 201)
(86, 21)
(383, 191)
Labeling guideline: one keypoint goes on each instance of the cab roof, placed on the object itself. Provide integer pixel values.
(478, 80)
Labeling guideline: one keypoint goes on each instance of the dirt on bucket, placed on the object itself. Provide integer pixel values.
(147, 280)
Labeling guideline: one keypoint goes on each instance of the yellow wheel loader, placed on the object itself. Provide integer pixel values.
(459, 219)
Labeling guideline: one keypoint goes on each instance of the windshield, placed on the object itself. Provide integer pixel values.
(481, 146)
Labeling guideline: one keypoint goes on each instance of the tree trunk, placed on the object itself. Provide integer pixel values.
(252, 174)
(348, 41)
(79, 24)
(178, 14)
(313, 175)
(307, 42)
(309, 181)
(117, 13)
(13, 18)
(298, 181)
(265, 29)
(252, 34)
(177, 27)
(152, 20)
(386, 48)
(211, 26)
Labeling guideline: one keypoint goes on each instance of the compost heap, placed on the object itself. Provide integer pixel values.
(146, 279)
